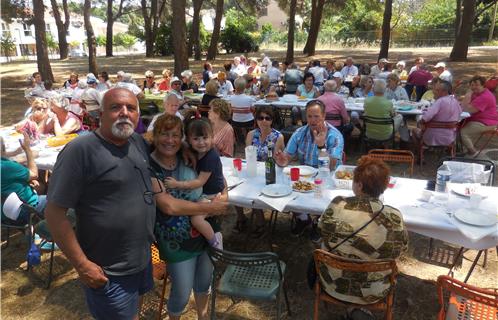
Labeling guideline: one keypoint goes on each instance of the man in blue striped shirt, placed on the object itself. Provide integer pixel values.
(306, 143)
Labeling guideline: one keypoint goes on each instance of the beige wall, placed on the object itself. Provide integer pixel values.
(275, 16)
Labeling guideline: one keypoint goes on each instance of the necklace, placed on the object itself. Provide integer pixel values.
(168, 165)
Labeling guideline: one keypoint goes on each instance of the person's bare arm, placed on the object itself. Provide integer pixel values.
(466, 105)
(280, 144)
(62, 231)
(249, 138)
(30, 159)
(201, 180)
(178, 207)
(282, 158)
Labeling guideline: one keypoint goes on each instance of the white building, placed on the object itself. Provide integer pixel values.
(23, 34)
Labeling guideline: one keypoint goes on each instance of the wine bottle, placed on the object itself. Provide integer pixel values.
(270, 173)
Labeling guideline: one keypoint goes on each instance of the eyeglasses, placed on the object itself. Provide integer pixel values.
(148, 195)
(150, 77)
(267, 118)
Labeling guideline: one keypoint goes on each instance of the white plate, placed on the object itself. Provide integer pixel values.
(476, 218)
(465, 189)
(304, 171)
(276, 190)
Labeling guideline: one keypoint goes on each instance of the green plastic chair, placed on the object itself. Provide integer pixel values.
(258, 276)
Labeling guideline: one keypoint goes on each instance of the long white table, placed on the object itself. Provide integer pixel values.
(405, 196)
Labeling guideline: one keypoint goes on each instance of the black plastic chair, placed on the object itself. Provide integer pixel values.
(257, 276)
(367, 120)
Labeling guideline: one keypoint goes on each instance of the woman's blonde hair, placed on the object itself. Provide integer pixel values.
(212, 87)
(166, 73)
(222, 108)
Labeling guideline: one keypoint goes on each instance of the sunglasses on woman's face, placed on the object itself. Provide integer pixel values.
(267, 118)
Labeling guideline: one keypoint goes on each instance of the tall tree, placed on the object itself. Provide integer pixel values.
(61, 26)
(386, 29)
(462, 40)
(458, 17)
(41, 41)
(493, 22)
(290, 36)
(316, 19)
(215, 36)
(111, 17)
(152, 16)
(194, 39)
(90, 35)
(178, 24)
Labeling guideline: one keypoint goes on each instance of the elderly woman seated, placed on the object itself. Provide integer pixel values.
(364, 88)
(383, 235)
(149, 82)
(188, 85)
(394, 90)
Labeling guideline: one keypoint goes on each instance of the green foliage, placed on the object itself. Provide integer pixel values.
(433, 15)
(204, 35)
(164, 41)
(74, 44)
(267, 32)
(125, 40)
(101, 40)
(7, 45)
(240, 33)
(51, 43)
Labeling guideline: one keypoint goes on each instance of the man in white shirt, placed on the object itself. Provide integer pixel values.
(38, 86)
(349, 71)
(443, 73)
(171, 104)
(266, 63)
(128, 84)
(238, 68)
(319, 73)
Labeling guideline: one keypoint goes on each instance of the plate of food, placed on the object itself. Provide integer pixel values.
(304, 171)
(60, 140)
(476, 218)
(276, 190)
(343, 176)
(303, 186)
(465, 189)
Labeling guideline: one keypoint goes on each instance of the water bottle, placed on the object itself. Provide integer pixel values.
(442, 179)
(324, 167)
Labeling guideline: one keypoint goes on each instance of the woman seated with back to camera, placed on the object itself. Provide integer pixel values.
(384, 237)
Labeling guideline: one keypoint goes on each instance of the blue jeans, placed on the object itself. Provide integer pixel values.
(40, 208)
(119, 297)
(195, 273)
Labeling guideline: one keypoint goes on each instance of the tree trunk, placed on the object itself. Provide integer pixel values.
(458, 17)
(461, 45)
(215, 36)
(194, 41)
(41, 41)
(316, 18)
(290, 37)
(110, 23)
(92, 44)
(61, 27)
(386, 29)
(179, 35)
(151, 23)
(493, 23)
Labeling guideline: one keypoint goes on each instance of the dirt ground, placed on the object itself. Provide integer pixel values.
(23, 294)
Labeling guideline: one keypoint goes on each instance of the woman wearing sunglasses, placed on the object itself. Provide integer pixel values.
(149, 82)
(179, 243)
(261, 137)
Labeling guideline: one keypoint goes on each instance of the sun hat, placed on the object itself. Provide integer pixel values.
(440, 65)
(337, 74)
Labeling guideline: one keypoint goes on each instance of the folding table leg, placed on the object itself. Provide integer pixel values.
(473, 265)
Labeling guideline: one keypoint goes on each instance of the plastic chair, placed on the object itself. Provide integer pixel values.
(12, 207)
(465, 302)
(159, 272)
(333, 116)
(324, 258)
(451, 148)
(377, 121)
(490, 134)
(390, 155)
(257, 276)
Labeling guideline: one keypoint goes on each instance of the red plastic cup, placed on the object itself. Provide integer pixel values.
(237, 164)
(294, 174)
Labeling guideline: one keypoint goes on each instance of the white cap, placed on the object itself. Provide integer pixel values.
(383, 60)
(337, 74)
(401, 63)
(440, 65)
(174, 79)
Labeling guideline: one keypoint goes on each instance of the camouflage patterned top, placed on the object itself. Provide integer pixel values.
(384, 238)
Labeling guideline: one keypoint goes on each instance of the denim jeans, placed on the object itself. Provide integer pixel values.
(195, 273)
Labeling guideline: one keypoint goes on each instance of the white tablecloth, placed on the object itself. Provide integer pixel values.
(406, 193)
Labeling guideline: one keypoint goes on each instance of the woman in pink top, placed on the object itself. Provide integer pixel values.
(481, 104)
(62, 121)
(224, 138)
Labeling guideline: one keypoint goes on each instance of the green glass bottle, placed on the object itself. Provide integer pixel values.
(270, 173)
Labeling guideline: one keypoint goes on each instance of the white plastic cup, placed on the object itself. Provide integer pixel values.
(252, 162)
(475, 200)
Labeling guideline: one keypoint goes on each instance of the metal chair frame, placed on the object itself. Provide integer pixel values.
(377, 121)
(491, 133)
(469, 302)
(223, 259)
(325, 258)
(391, 155)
